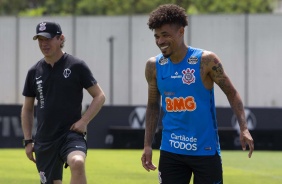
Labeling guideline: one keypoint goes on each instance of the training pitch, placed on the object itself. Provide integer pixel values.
(124, 167)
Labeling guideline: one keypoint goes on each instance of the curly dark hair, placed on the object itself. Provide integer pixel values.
(167, 14)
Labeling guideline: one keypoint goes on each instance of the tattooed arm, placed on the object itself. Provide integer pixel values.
(213, 71)
(152, 114)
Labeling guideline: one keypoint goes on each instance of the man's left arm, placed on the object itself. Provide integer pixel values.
(97, 102)
(218, 75)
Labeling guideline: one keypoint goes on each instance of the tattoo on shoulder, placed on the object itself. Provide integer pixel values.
(216, 61)
(218, 69)
(150, 70)
(209, 59)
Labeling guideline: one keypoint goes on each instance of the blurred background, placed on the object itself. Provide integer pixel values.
(113, 38)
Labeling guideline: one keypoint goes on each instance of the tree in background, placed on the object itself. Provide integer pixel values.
(234, 6)
(12, 7)
(125, 7)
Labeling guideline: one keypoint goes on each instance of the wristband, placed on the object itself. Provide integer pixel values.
(26, 142)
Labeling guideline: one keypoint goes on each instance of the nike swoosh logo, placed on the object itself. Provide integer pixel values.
(163, 78)
(37, 77)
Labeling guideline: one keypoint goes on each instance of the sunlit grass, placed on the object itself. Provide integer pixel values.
(124, 167)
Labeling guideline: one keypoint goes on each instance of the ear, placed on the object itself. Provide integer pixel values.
(181, 31)
(62, 37)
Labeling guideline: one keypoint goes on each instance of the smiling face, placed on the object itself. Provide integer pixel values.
(50, 47)
(169, 38)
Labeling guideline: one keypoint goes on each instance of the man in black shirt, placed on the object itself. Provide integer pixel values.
(57, 83)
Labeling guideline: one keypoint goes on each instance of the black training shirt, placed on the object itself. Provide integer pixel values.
(59, 93)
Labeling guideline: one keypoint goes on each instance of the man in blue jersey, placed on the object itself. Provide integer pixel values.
(181, 81)
(57, 82)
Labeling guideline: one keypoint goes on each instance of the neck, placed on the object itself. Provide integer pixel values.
(179, 55)
(53, 59)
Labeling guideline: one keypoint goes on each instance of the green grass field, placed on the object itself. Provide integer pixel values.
(124, 167)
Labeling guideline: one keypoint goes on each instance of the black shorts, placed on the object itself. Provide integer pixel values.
(178, 169)
(51, 156)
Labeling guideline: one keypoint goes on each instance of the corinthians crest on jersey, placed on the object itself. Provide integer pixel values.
(188, 76)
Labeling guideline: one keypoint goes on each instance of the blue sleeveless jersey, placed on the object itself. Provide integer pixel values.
(189, 121)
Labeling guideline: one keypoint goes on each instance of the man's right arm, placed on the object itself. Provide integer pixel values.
(27, 116)
(153, 104)
(152, 114)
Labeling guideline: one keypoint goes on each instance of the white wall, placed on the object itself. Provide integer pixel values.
(265, 60)
(8, 75)
(249, 53)
(223, 35)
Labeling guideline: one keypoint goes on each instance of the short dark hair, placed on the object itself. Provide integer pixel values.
(167, 14)
(63, 43)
